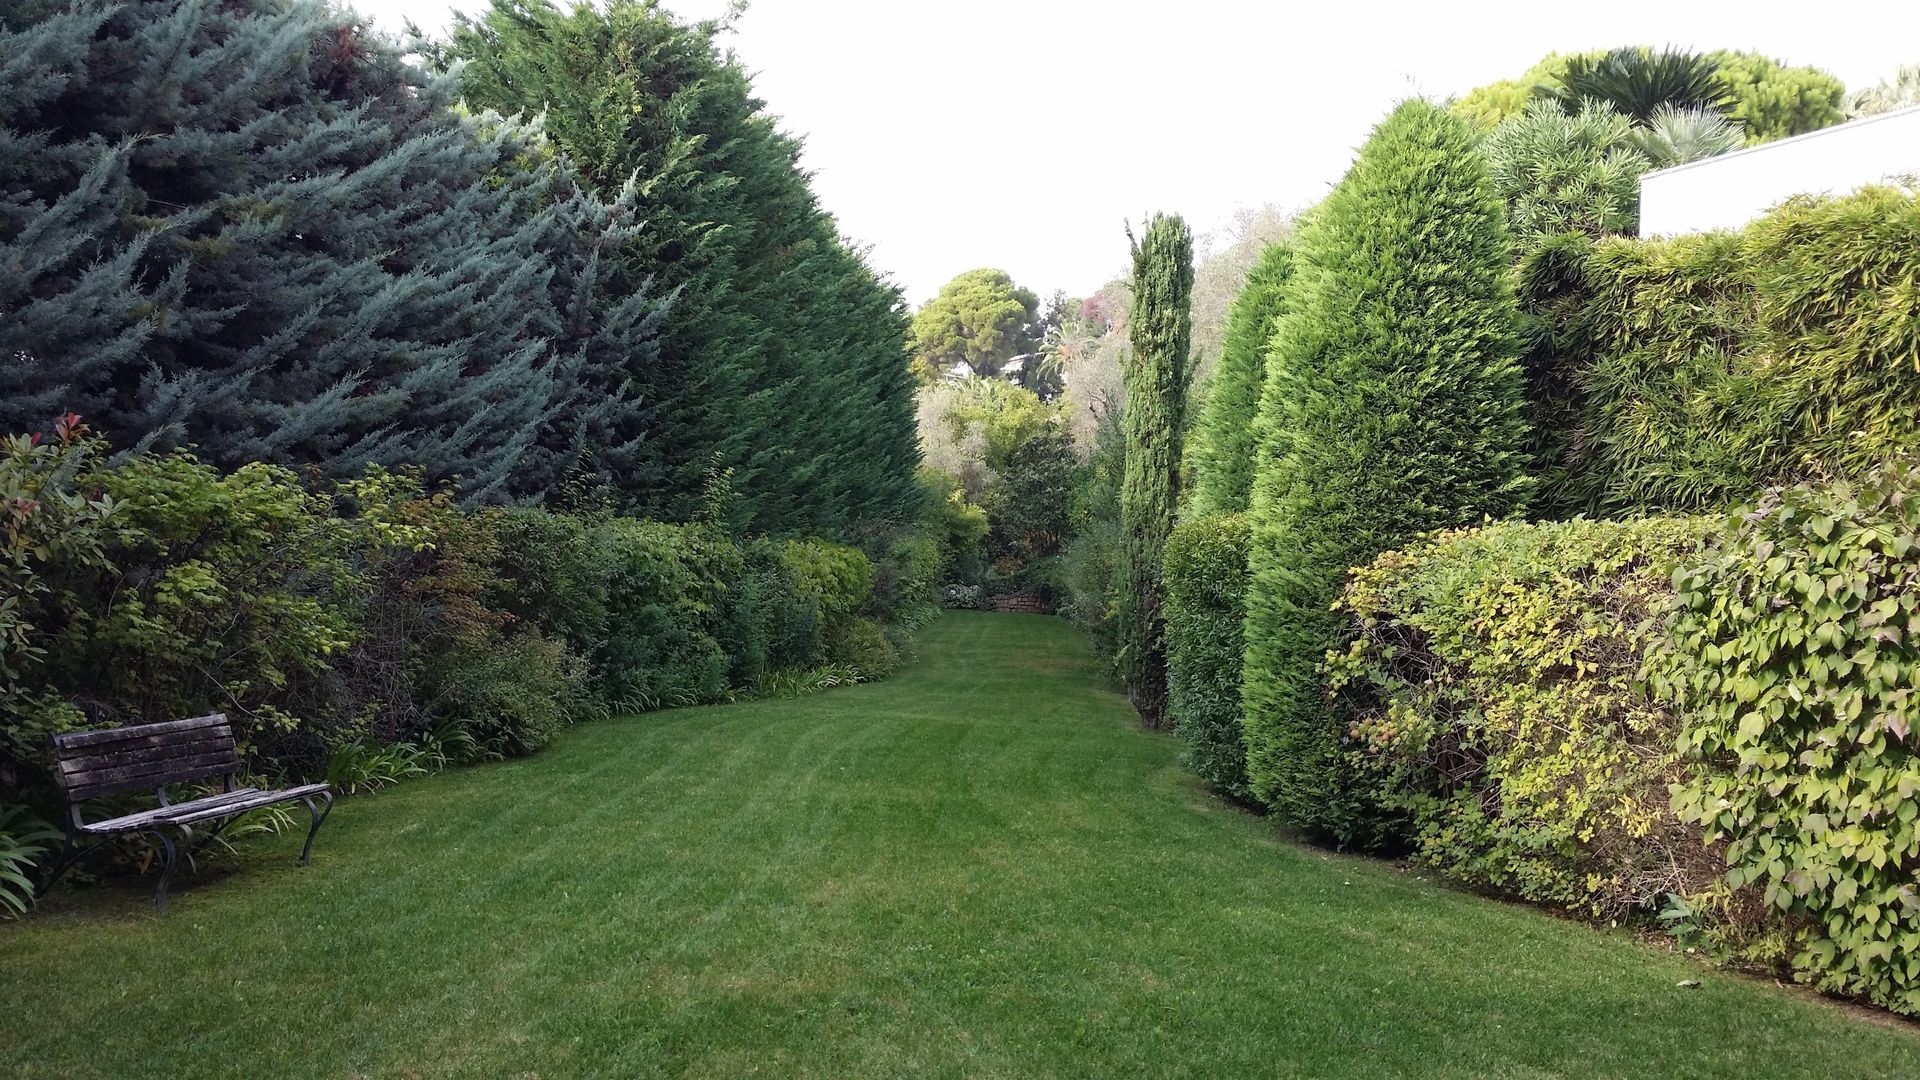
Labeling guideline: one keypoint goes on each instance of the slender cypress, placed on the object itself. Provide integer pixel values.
(1220, 452)
(1160, 331)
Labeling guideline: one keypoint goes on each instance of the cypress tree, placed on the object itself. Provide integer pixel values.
(252, 227)
(1220, 459)
(1393, 405)
(1160, 331)
(784, 351)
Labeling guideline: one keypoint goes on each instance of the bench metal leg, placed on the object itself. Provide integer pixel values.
(70, 853)
(169, 856)
(319, 816)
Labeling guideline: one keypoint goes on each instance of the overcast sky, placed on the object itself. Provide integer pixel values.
(1023, 134)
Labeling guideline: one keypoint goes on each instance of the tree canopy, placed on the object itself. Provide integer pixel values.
(980, 320)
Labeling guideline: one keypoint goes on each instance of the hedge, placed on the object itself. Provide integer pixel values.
(1708, 719)
(1206, 575)
(1725, 362)
(1793, 666)
(361, 629)
(1394, 405)
(1494, 690)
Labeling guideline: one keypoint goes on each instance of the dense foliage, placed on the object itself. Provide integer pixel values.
(1220, 449)
(1762, 97)
(1495, 692)
(777, 318)
(358, 629)
(1770, 100)
(1792, 667)
(1561, 172)
(1206, 574)
(1157, 372)
(255, 229)
(1727, 361)
(997, 453)
(1637, 81)
(1392, 406)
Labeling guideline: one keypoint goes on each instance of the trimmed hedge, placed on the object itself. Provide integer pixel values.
(1393, 405)
(1793, 665)
(1725, 362)
(1714, 722)
(1495, 694)
(1206, 574)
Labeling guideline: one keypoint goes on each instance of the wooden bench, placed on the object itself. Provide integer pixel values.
(96, 763)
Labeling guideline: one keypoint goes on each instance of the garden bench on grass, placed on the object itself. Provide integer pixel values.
(96, 763)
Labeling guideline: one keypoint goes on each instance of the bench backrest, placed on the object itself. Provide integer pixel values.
(148, 756)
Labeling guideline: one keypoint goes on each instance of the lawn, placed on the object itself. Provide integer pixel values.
(979, 868)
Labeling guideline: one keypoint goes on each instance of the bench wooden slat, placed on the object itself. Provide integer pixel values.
(151, 774)
(120, 754)
(189, 813)
(142, 732)
(141, 770)
(142, 819)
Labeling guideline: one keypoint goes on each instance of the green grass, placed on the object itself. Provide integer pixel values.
(980, 868)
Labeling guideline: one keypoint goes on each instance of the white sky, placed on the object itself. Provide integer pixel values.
(1022, 134)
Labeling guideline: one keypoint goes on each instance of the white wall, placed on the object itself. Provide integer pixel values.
(1728, 191)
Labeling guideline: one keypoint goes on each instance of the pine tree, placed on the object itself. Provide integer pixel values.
(1161, 334)
(1393, 405)
(785, 351)
(1220, 457)
(250, 226)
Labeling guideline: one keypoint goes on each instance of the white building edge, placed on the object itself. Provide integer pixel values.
(1728, 191)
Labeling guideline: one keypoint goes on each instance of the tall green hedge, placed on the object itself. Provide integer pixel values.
(1727, 361)
(1160, 329)
(1220, 455)
(1392, 406)
(1793, 665)
(1206, 573)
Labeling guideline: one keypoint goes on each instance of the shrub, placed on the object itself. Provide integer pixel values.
(1792, 665)
(1561, 173)
(906, 582)
(1729, 361)
(1496, 693)
(837, 577)
(553, 572)
(1392, 407)
(667, 605)
(862, 646)
(1206, 568)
